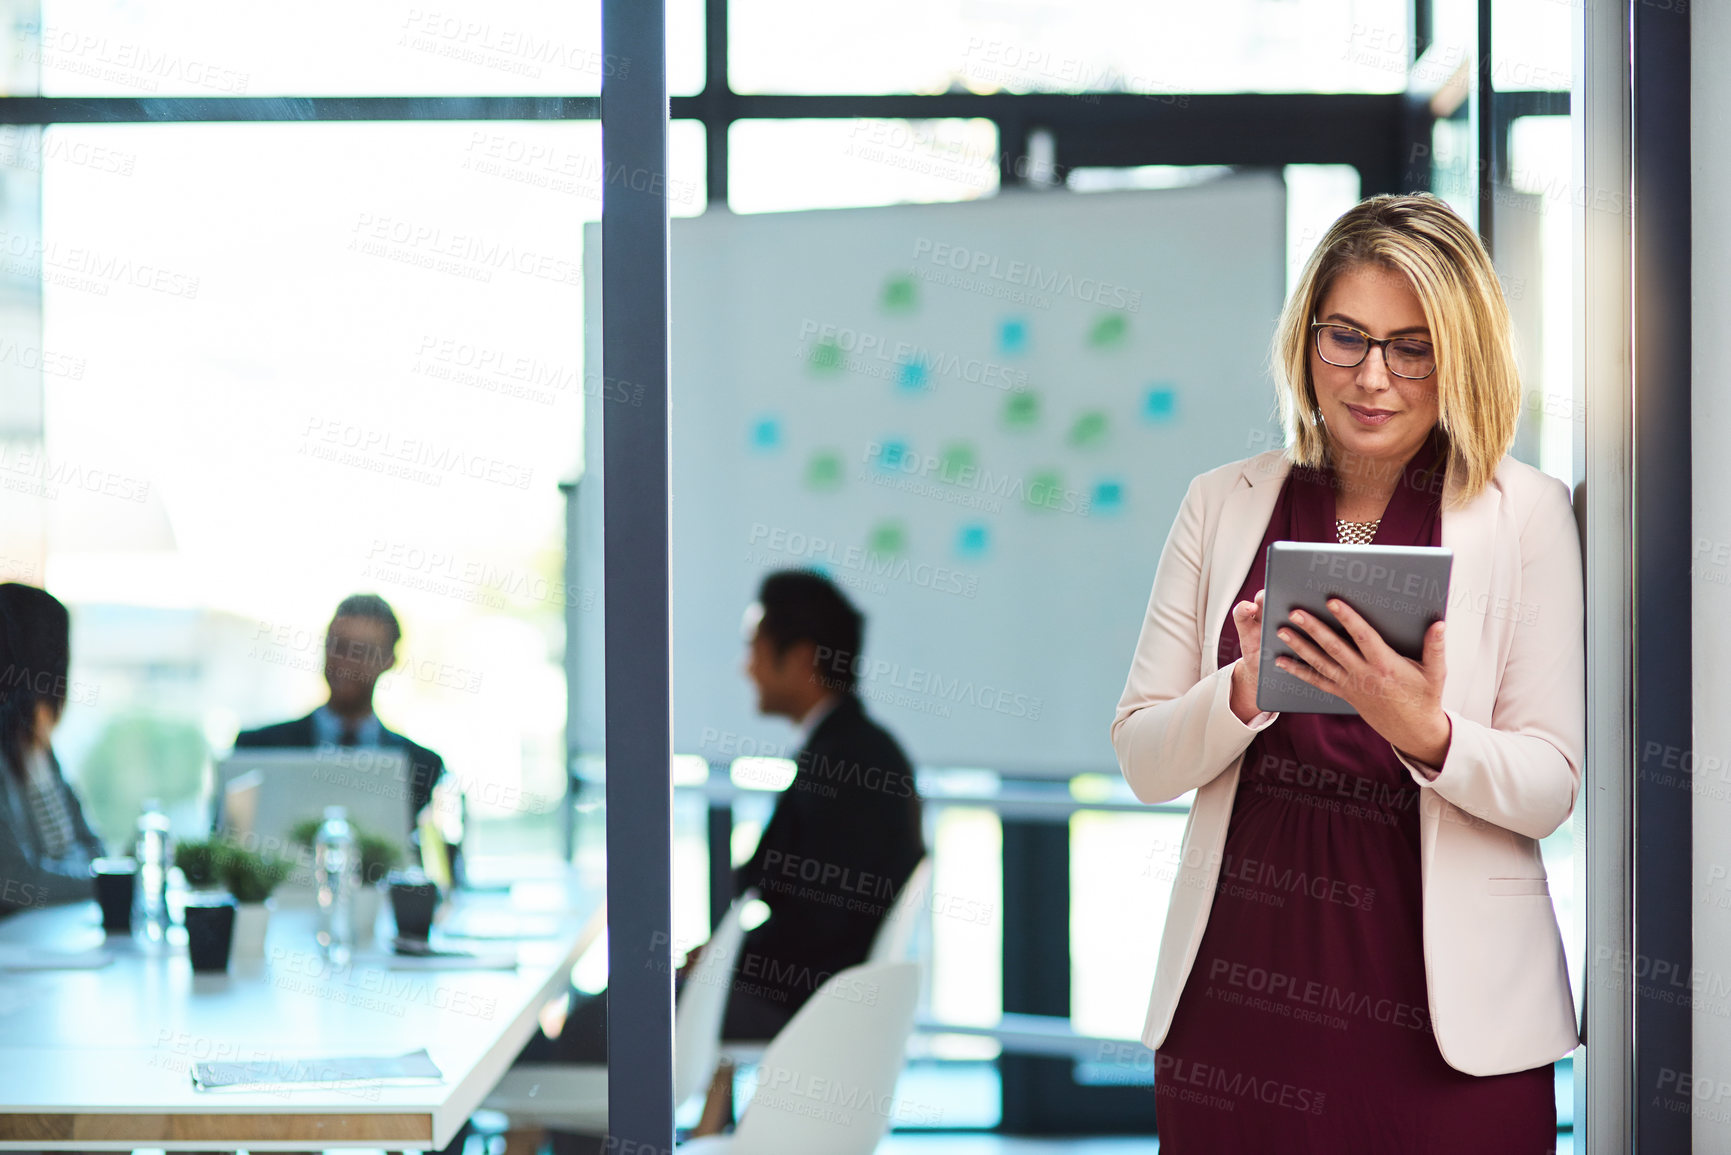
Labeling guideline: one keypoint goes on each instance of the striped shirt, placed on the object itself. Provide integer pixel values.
(46, 799)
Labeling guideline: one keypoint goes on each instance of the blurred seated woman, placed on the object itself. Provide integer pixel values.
(46, 846)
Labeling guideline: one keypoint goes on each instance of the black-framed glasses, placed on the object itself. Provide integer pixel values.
(1346, 347)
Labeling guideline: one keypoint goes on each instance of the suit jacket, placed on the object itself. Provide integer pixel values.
(425, 767)
(1514, 692)
(844, 837)
(28, 876)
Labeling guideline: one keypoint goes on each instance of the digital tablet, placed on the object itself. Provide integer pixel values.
(1398, 589)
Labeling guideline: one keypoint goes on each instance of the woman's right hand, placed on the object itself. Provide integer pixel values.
(1247, 617)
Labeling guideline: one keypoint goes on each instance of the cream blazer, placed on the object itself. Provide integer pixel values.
(1515, 696)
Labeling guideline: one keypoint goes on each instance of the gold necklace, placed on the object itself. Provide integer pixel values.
(1355, 532)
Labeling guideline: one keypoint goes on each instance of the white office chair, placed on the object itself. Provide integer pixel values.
(573, 1096)
(827, 1083)
(896, 933)
(892, 943)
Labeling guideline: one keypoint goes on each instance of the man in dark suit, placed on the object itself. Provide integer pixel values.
(845, 834)
(843, 839)
(360, 645)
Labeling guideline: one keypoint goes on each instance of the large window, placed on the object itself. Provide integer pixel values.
(312, 360)
(328, 48)
(1058, 46)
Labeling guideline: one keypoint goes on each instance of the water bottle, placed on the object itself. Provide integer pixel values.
(153, 864)
(336, 867)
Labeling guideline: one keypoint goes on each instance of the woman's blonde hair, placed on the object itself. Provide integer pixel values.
(1478, 385)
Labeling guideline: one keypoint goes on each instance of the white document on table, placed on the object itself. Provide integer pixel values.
(413, 1069)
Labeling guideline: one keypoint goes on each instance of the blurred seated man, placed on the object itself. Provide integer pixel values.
(46, 846)
(850, 820)
(360, 645)
(844, 836)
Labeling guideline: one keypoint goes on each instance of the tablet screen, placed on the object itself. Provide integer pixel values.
(1398, 590)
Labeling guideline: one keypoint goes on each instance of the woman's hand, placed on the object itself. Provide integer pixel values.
(1400, 699)
(1247, 617)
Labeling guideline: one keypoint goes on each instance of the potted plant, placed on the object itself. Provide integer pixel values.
(209, 918)
(251, 877)
(306, 832)
(200, 863)
(379, 856)
(208, 913)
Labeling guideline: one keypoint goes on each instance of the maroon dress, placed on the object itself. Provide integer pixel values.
(1304, 1024)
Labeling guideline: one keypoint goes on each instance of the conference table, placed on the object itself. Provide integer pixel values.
(98, 1055)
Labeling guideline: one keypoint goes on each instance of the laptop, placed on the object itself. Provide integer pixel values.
(263, 794)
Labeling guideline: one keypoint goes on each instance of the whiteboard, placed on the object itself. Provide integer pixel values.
(978, 419)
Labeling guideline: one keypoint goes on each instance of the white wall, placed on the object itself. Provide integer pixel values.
(1710, 130)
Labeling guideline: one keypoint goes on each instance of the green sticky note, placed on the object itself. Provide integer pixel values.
(1045, 490)
(958, 462)
(1089, 430)
(1022, 410)
(823, 472)
(826, 357)
(1108, 330)
(888, 539)
(900, 295)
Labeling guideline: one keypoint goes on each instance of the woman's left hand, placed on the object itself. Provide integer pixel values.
(1399, 698)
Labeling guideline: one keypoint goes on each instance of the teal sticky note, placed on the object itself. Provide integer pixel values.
(1108, 496)
(890, 454)
(973, 540)
(1160, 403)
(912, 377)
(766, 434)
(1013, 336)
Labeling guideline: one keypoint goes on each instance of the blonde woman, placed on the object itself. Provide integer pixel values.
(1360, 952)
